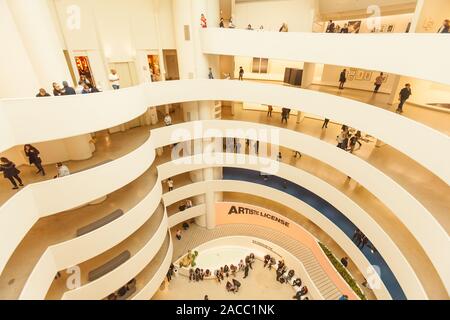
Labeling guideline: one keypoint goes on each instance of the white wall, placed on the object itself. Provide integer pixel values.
(275, 69)
(366, 51)
(330, 76)
(298, 14)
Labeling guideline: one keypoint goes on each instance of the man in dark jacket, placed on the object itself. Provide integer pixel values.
(68, 91)
(342, 79)
(404, 95)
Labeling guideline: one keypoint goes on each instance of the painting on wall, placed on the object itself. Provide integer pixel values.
(153, 63)
(354, 26)
(351, 74)
(367, 75)
(359, 74)
(84, 68)
(390, 28)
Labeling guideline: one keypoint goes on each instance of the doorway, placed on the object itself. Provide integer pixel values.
(128, 78)
(126, 72)
(171, 64)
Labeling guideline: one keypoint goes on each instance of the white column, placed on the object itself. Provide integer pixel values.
(194, 64)
(17, 77)
(429, 15)
(35, 24)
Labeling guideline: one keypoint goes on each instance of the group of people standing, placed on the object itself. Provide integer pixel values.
(283, 275)
(85, 86)
(12, 173)
(348, 141)
(198, 274)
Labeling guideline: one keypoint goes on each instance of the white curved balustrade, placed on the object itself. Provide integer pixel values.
(75, 251)
(399, 265)
(418, 220)
(188, 214)
(147, 292)
(418, 55)
(110, 282)
(90, 113)
(42, 199)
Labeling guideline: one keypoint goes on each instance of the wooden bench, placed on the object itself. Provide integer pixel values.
(92, 167)
(109, 266)
(100, 223)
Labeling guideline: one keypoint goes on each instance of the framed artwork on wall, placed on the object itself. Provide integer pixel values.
(153, 63)
(367, 75)
(351, 74)
(84, 68)
(359, 74)
(354, 26)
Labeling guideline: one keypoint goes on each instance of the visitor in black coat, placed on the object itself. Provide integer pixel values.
(33, 157)
(68, 91)
(10, 172)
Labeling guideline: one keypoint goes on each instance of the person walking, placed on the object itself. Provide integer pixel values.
(342, 79)
(114, 79)
(10, 172)
(269, 111)
(178, 234)
(221, 23)
(404, 95)
(241, 73)
(284, 115)
(378, 82)
(325, 123)
(33, 157)
(246, 270)
(210, 74)
(67, 90)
